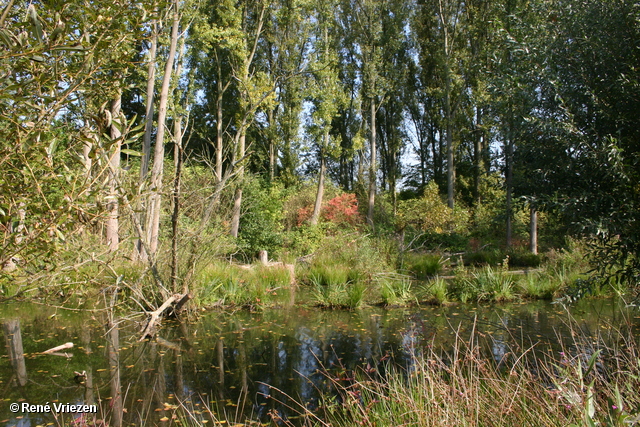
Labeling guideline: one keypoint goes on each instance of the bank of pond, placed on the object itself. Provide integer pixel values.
(527, 363)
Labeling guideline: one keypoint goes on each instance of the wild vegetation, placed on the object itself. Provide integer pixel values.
(157, 147)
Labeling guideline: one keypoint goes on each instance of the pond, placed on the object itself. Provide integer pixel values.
(246, 364)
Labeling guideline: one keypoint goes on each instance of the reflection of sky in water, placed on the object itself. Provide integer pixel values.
(293, 350)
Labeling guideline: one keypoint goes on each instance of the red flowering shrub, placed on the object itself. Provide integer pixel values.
(303, 215)
(342, 210)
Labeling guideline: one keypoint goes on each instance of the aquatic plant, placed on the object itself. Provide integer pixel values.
(422, 266)
(458, 386)
(436, 291)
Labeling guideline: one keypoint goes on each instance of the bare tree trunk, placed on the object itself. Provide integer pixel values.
(533, 234)
(451, 168)
(158, 155)
(272, 149)
(139, 252)
(176, 205)
(509, 185)
(320, 193)
(451, 171)
(237, 199)
(237, 202)
(218, 165)
(112, 232)
(477, 157)
(372, 166)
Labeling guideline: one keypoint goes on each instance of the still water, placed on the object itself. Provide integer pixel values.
(240, 365)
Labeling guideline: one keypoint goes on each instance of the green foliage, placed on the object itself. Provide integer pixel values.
(487, 284)
(429, 213)
(229, 285)
(422, 266)
(395, 290)
(436, 291)
(493, 257)
(261, 224)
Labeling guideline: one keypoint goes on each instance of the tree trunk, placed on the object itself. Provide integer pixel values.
(533, 233)
(221, 89)
(139, 252)
(112, 232)
(509, 185)
(237, 199)
(451, 174)
(272, 149)
(176, 205)
(320, 193)
(372, 166)
(477, 157)
(158, 155)
(451, 171)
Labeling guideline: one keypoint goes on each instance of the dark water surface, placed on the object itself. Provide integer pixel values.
(231, 362)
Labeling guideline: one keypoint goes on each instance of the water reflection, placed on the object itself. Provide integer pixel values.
(243, 364)
(13, 339)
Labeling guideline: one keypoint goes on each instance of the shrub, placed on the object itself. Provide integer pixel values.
(342, 210)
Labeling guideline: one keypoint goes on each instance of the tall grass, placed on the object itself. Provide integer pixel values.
(586, 383)
(422, 266)
(224, 284)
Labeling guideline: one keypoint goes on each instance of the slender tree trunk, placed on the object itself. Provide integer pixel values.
(221, 89)
(451, 174)
(158, 155)
(237, 199)
(320, 193)
(112, 232)
(477, 157)
(451, 171)
(176, 205)
(372, 166)
(392, 182)
(272, 148)
(509, 185)
(533, 233)
(139, 252)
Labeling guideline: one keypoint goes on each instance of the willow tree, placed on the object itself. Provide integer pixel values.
(58, 65)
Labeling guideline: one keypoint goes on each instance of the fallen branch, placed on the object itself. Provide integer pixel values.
(154, 317)
(58, 348)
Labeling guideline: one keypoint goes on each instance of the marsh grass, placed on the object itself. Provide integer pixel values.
(435, 291)
(225, 284)
(422, 266)
(487, 284)
(395, 290)
(586, 383)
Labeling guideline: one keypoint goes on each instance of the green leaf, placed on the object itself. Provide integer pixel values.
(130, 152)
(35, 20)
(592, 362)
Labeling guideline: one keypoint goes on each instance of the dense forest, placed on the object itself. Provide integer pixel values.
(146, 140)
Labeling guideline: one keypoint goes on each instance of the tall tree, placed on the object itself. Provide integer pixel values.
(155, 197)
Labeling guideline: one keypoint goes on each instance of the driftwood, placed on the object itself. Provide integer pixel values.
(176, 300)
(58, 348)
